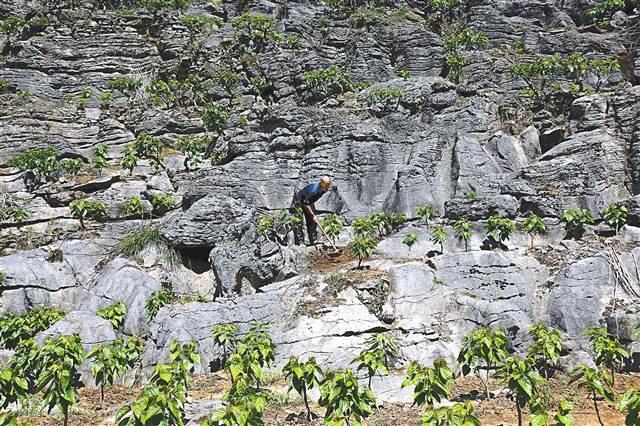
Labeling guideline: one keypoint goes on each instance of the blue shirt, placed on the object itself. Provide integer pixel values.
(310, 194)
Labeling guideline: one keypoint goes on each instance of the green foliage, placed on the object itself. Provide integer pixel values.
(1, 277)
(431, 385)
(162, 203)
(129, 159)
(197, 23)
(500, 228)
(245, 407)
(363, 247)
(105, 98)
(616, 215)
(343, 399)
(158, 5)
(273, 226)
(174, 93)
(183, 358)
(574, 221)
(426, 213)
(12, 387)
(596, 382)
(16, 328)
(12, 24)
(607, 349)
(483, 348)
(110, 360)
(193, 148)
(379, 222)
(133, 207)
(18, 214)
(602, 12)
(546, 346)
(255, 351)
(439, 236)
(254, 29)
(388, 97)
(59, 378)
(468, 196)
(215, 117)
(85, 94)
(100, 157)
(533, 225)
(151, 148)
(71, 166)
(630, 402)
(124, 84)
(603, 68)
(226, 336)
(410, 239)
(156, 301)
(457, 42)
(462, 230)
(396, 219)
(456, 415)
(363, 227)
(4, 86)
(262, 86)
(303, 376)
(42, 162)
(88, 209)
(326, 82)
(523, 382)
(367, 17)
(375, 356)
(226, 79)
(333, 226)
(537, 74)
(563, 417)
(114, 313)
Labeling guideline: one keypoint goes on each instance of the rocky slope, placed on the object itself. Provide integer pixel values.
(439, 143)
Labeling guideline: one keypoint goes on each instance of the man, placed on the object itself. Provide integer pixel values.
(305, 199)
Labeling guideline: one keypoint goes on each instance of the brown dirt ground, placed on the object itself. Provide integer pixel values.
(327, 259)
(498, 411)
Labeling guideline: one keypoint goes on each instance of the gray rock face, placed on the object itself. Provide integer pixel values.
(481, 207)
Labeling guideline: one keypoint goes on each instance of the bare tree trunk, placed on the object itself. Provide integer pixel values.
(595, 404)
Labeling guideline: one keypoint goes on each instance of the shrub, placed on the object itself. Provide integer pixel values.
(174, 93)
(12, 24)
(227, 79)
(500, 228)
(363, 227)
(151, 148)
(156, 301)
(603, 68)
(375, 356)
(114, 313)
(343, 399)
(215, 117)
(124, 84)
(389, 97)
(333, 226)
(17, 328)
(523, 383)
(245, 406)
(157, 5)
(454, 44)
(598, 384)
(254, 29)
(607, 349)
(193, 148)
(327, 81)
(485, 347)
(110, 360)
(162, 203)
(88, 209)
(303, 377)
(72, 166)
(134, 207)
(430, 385)
(100, 158)
(396, 219)
(616, 215)
(574, 221)
(197, 23)
(379, 222)
(630, 402)
(462, 229)
(105, 98)
(532, 225)
(536, 75)
(426, 213)
(85, 94)
(59, 378)
(602, 12)
(546, 347)
(136, 241)
(42, 162)
(410, 239)
(456, 414)
(439, 236)
(468, 196)
(129, 159)
(255, 351)
(262, 86)
(363, 247)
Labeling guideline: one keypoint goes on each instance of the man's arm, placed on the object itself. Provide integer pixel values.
(309, 210)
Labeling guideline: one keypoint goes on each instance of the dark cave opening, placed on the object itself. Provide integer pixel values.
(195, 258)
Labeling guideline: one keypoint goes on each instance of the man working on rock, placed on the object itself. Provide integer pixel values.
(305, 199)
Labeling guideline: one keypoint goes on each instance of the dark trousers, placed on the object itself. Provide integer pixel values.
(312, 227)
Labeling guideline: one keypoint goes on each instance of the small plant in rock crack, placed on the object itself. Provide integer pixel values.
(162, 203)
(193, 148)
(327, 82)
(151, 148)
(59, 377)
(225, 336)
(533, 225)
(607, 349)
(536, 75)
(129, 159)
(458, 414)
(426, 213)
(254, 30)
(12, 24)
(262, 87)
(215, 117)
(124, 84)
(226, 79)
(88, 209)
(430, 385)
(439, 236)
(18, 214)
(110, 360)
(343, 399)
(630, 402)
(597, 383)
(71, 166)
(462, 230)
(156, 301)
(375, 356)
(483, 348)
(396, 219)
(379, 221)
(43, 163)
(133, 207)
(303, 376)
(524, 384)
(99, 161)
(388, 97)
(410, 239)
(333, 226)
(574, 221)
(114, 313)
(546, 347)
(602, 12)
(363, 227)
(616, 216)
(500, 228)
(363, 247)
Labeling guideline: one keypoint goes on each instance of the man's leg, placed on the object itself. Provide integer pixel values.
(298, 233)
(312, 227)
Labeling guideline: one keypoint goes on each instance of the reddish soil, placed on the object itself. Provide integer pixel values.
(327, 259)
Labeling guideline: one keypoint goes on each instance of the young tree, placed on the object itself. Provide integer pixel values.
(303, 376)
(462, 229)
(193, 148)
(343, 399)
(439, 236)
(616, 215)
(410, 239)
(110, 360)
(546, 347)
(333, 226)
(500, 228)
(456, 415)
(379, 221)
(597, 383)
(430, 385)
(607, 349)
(362, 248)
(100, 158)
(134, 207)
(574, 221)
(115, 313)
(533, 225)
(83, 209)
(363, 227)
(481, 347)
(225, 336)
(426, 213)
(156, 301)
(522, 381)
(630, 403)
(375, 356)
